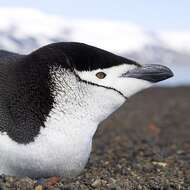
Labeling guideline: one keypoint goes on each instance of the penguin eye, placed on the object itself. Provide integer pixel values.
(100, 75)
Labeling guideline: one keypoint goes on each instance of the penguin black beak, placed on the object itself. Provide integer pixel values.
(152, 73)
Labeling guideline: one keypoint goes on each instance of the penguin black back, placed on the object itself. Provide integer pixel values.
(7, 57)
(25, 96)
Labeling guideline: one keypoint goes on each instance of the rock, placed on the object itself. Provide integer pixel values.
(98, 183)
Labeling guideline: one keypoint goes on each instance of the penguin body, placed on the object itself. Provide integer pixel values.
(52, 101)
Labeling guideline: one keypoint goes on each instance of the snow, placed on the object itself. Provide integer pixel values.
(24, 23)
(179, 41)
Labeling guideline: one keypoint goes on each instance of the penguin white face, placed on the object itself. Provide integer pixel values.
(104, 69)
(126, 79)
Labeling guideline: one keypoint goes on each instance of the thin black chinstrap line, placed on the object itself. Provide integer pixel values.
(94, 84)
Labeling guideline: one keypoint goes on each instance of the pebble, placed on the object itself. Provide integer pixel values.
(98, 183)
(39, 187)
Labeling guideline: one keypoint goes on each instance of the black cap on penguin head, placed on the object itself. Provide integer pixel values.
(79, 56)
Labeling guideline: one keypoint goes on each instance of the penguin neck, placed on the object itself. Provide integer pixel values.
(79, 106)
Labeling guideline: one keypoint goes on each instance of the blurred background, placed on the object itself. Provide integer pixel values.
(147, 31)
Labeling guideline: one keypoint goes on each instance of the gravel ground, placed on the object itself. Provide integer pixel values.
(143, 146)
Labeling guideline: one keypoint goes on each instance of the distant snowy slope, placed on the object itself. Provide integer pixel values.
(25, 29)
(22, 30)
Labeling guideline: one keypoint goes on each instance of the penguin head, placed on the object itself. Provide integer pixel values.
(127, 78)
(105, 70)
(86, 77)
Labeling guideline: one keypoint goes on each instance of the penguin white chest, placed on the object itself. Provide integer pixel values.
(54, 152)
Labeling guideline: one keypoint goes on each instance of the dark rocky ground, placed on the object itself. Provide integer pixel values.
(143, 146)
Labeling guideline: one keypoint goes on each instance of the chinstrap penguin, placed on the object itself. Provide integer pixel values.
(52, 101)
